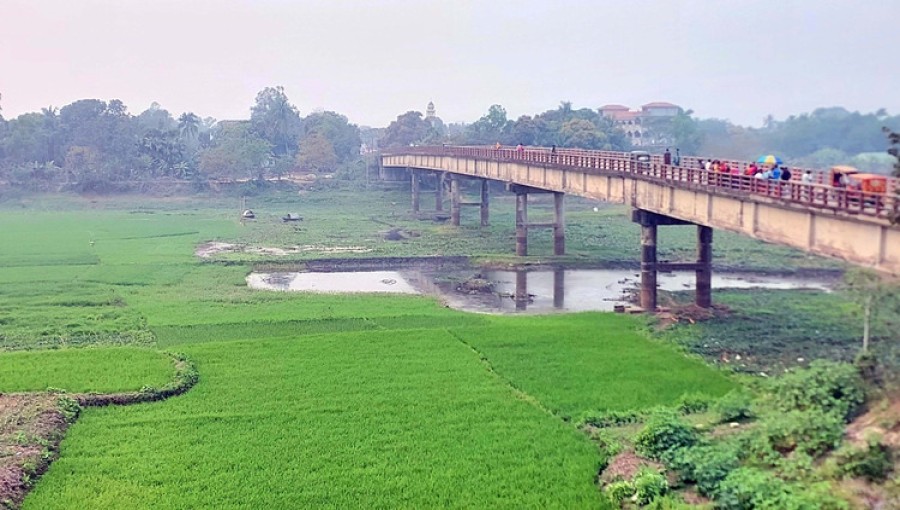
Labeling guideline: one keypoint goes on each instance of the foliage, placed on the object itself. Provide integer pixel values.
(664, 433)
(316, 154)
(874, 461)
(694, 402)
(877, 299)
(825, 386)
(274, 119)
(343, 136)
(708, 465)
(619, 491)
(736, 405)
(811, 431)
(649, 484)
(236, 153)
(749, 488)
(409, 129)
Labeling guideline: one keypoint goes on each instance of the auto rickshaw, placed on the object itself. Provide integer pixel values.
(840, 175)
(870, 183)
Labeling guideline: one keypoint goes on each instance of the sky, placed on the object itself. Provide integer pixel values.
(374, 60)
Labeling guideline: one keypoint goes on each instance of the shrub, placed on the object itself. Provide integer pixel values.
(664, 433)
(707, 465)
(748, 488)
(602, 419)
(872, 462)
(734, 406)
(813, 432)
(619, 491)
(649, 484)
(691, 403)
(825, 385)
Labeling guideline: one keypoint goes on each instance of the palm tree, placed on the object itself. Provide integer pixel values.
(189, 126)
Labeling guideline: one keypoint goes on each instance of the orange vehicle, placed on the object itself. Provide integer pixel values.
(840, 175)
(869, 183)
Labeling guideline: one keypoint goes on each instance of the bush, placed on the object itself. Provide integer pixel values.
(664, 433)
(619, 491)
(825, 386)
(649, 484)
(749, 488)
(734, 406)
(603, 419)
(691, 403)
(872, 462)
(707, 465)
(813, 432)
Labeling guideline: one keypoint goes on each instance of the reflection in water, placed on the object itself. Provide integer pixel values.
(363, 281)
(600, 289)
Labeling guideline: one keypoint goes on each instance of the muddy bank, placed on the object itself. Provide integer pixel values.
(31, 428)
(32, 425)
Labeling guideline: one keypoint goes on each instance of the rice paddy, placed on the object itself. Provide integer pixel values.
(330, 401)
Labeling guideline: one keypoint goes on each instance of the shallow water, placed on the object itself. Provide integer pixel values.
(543, 291)
(363, 281)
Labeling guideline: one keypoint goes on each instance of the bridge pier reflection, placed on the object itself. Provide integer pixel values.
(650, 266)
(523, 225)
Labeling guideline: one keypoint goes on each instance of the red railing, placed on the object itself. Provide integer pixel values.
(690, 173)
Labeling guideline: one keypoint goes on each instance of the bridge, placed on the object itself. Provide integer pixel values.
(816, 217)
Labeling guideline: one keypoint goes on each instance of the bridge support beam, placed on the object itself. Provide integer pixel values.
(559, 288)
(485, 203)
(559, 225)
(455, 205)
(521, 224)
(414, 186)
(650, 266)
(703, 296)
(439, 191)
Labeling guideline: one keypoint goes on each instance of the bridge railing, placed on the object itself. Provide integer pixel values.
(690, 172)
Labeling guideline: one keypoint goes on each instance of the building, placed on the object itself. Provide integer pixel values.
(639, 125)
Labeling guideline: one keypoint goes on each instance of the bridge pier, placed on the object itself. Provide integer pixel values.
(522, 225)
(439, 191)
(414, 186)
(650, 266)
(485, 202)
(454, 200)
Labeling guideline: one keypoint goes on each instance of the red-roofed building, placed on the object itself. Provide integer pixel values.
(634, 122)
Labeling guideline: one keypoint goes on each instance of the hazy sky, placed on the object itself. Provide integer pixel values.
(373, 60)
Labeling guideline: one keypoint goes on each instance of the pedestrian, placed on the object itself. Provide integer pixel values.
(776, 173)
(708, 165)
(497, 146)
(553, 153)
(785, 174)
(751, 170)
(667, 157)
(520, 149)
(807, 177)
(677, 159)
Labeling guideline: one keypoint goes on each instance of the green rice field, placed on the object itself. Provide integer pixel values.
(304, 400)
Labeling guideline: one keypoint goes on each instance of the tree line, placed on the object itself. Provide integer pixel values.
(98, 146)
(95, 145)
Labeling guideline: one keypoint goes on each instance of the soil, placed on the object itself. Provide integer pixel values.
(31, 428)
(625, 465)
(210, 249)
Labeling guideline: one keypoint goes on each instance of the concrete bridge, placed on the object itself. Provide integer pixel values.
(815, 217)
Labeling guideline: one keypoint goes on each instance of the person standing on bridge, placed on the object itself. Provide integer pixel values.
(667, 157)
(520, 149)
(677, 159)
(553, 153)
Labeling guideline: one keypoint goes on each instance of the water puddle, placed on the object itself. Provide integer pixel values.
(363, 281)
(539, 291)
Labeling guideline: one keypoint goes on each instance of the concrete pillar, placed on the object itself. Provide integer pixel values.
(439, 192)
(521, 296)
(485, 203)
(415, 190)
(648, 267)
(559, 225)
(521, 224)
(704, 271)
(454, 200)
(559, 288)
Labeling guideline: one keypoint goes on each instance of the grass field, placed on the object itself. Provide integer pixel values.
(303, 400)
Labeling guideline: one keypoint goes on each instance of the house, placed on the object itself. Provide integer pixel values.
(638, 124)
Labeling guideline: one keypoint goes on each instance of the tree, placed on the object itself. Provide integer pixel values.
(343, 136)
(490, 128)
(237, 153)
(582, 134)
(317, 154)
(874, 295)
(188, 126)
(409, 129)
(274, 119)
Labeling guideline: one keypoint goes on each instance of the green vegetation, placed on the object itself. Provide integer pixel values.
(101, 370)
(310, 400)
